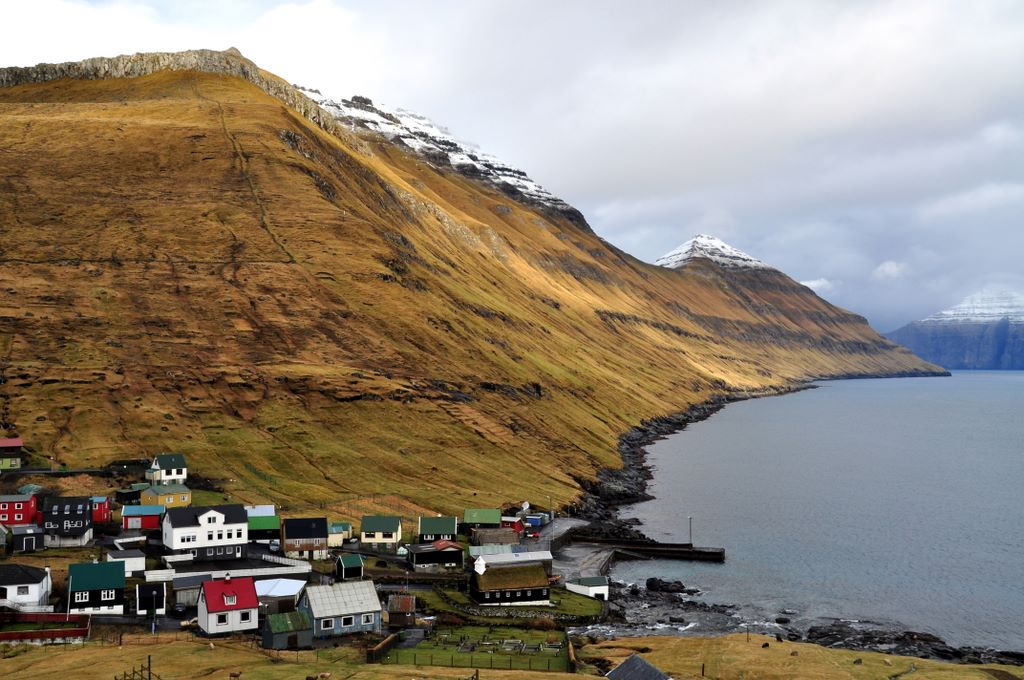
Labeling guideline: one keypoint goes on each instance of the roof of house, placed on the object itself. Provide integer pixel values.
(20, 529)
(339, 527)
(402, 604)
(216, 594)
(438, 525)
(142, 510)
(99, 500)
(289, 622)
(11, 442)
(161, 489)
(503, 535)
(383, 523)
(260, 510)
(166, 461)
(16, 498)
(304, 527)
(30, 489)
(636, 668)
(349, 597)
(233, 513)
(591, 581)
(491, 549)
(481, 516)
(61, 501)
(96, 576)
(279, 587)
(19, 574)
(435, 546)
(264, 522)
(348, 561)
(526, 576)
(125, 554)
(517, 558)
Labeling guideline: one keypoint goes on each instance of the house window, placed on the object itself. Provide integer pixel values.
(316, 541)
(184, 498)
(3, 506)
(544, 592)
(487, 596)
(220, 551)
(222, 619)
(211, 519)
(220, 535)
(107, 595)
(367, 619)
(17, 506)
(17, 518)
(508, 593)
(529, 593)
(347, 621)
(327, 624)
(229, 599)
(22, 590)
(389, 534)
(209, 535)
(519, 593)
(81, 597)
(246, 617)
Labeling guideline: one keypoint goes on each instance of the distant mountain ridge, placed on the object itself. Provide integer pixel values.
(985, 331)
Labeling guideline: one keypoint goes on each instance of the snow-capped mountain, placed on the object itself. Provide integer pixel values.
(437, 145)
(710, 248)
(984, 331)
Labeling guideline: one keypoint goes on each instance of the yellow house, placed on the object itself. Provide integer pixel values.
(167, 495)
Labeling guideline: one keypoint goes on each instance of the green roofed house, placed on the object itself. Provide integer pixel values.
(167, 468)
(292, 630)
(96, 588)
(338, 533)
(381, 531)
(264, 528)
(349, 567)
(480, 518)
(437, 529)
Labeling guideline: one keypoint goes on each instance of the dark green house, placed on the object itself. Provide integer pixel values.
(292, 630)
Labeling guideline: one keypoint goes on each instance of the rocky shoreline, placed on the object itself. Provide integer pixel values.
(669, 608)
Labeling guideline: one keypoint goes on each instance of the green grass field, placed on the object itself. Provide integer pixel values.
(488, 647)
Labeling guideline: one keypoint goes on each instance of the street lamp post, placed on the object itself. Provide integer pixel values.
(691, 530)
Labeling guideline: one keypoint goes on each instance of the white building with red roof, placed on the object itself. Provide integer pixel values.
(227, 606)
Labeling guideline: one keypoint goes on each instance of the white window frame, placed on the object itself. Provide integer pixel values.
(367, 619)
(348, 621)
(22, 590)
(222, 619)
(327, 624)
(107, 595)
(230, 599)
(245, 616)
(81, 596)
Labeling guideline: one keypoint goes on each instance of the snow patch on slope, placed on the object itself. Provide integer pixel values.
(709, 248)
(986, 306)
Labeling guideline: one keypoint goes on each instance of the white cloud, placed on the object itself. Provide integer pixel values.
(819, 286)
(980, 199)
(890, 270)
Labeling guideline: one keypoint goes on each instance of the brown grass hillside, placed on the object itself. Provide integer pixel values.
(186, 263)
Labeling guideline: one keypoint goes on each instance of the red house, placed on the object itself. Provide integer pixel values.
(100, 509)
(513, 523)
(142, 516)
(17, 509)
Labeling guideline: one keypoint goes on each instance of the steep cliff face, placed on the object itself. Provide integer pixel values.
(317, 314)
(983, 332)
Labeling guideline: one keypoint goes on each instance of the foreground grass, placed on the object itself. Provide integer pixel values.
(731, 656)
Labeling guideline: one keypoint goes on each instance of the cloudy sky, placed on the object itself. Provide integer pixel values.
(872, 149)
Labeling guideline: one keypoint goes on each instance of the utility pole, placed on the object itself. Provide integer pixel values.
(691, 530)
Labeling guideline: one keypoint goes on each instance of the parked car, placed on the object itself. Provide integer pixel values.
(274, 546)
(179, 609)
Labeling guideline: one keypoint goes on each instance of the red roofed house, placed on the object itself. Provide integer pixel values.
(228, 606)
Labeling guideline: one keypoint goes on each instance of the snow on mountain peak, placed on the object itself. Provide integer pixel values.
(986, 306)
(709, 248)
(436, 145)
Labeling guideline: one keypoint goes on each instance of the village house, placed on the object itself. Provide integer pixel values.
(304, 537)
(430, 529)
(26, 538)
(381, 531)
(264, 528)
(66, 521)
(637, 668)
(342, 609)
(517, 557)
(167, 468)
(516, 585)
(401, 611)
(591, 586)
(168, 495)
(278, 595)
(141, 517)
(10, 453)
(130, 494)
(349, 567)
(17, 509)
(338, 533)
(218, 532)
(101, 513)
(150, 597)
(134, 560)
(24, 587)
(437, 556)
(288, 630)
(96, 588)
(494, 536)
(514, 523)
(480, 518)
(229, 605)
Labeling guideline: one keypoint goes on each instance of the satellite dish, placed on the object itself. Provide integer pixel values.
(526, 506)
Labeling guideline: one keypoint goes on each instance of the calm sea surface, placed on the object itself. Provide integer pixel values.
(896, 501)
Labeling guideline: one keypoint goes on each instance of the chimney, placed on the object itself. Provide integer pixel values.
(227, 577)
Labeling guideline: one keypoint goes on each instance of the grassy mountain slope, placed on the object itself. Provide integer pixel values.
(187, 263)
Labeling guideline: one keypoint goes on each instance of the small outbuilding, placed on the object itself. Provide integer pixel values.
(150, 597)
(401, 611)
(436, 556)
(338, 533)
(349, 567)
(141, 517)
(27, 538)
(591, 586)
(288, 630)
(494, 536)
(134, 560)
(279, 595)
(637, 668)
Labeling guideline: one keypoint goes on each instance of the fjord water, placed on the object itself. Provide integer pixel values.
(897, 501)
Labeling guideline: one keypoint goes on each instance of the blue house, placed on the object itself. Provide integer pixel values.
(342, 609)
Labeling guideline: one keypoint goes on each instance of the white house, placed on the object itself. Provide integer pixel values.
(228, 606)
(591, 586)
(23, 587)
(134, 560)
(218, 532)
(167, 468)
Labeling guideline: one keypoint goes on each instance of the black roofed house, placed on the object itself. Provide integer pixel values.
(22, 586)
(217, 532)
(437, 556)
(131, 494)
(432, 529)
(637, 668)
(167, 468)
(349, 567)
(27, 538)
(304, 537)
(96, 588)
(381, 531)
(150, 597)
(66, 521)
